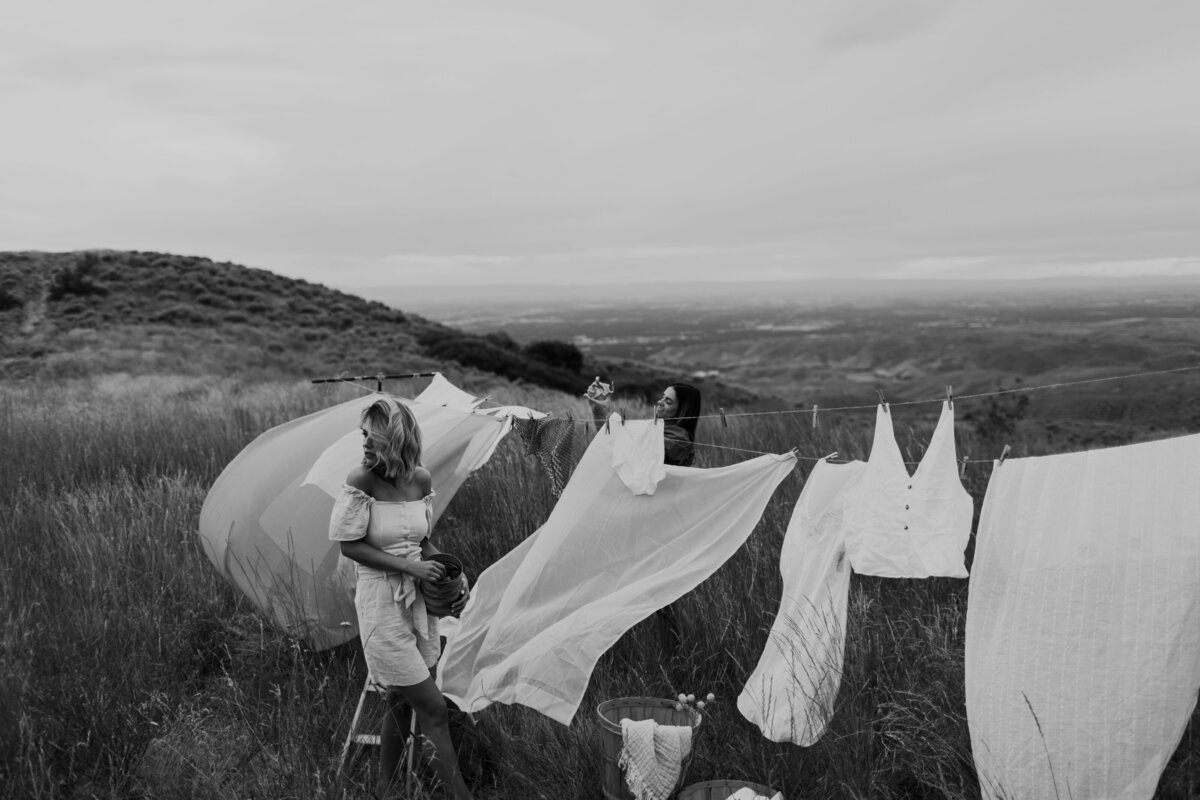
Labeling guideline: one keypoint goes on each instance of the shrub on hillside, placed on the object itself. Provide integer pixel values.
(206, 298)
(557, 354)
(78, 280)
(9, 300)
(181, 314)
(502, 339)
(473, 352)
(997, 420)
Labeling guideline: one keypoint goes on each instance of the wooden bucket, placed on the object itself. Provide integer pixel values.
(611, 712)
(720, 790)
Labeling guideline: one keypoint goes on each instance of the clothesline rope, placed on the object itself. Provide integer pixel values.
(817, 409)
(821, 410)
(975, 396)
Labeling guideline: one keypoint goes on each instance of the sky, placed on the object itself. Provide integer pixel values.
(480, 142)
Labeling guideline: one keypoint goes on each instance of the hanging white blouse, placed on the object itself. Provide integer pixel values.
(790, 694)
(909, 526)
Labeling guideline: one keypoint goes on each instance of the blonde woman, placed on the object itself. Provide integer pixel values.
(382, 520)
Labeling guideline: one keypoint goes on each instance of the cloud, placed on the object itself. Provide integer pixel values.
(565, 141)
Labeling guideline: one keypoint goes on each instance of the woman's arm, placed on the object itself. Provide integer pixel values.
(599, 396)
(371, 556)
(428, 548)
(678, 449)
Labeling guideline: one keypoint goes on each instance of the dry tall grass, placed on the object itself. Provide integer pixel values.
(129, 669)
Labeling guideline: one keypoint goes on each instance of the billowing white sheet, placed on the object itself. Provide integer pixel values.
(541, 616)
(265, 521)
(790, 694)
(441, 392)
(902, 526)
(1083, 621)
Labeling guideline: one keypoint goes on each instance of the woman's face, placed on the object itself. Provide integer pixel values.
(667, 405)
(370, 459)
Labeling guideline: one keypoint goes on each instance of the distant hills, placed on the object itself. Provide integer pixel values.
(460, 300)
(65, 314)
(95, 312)
(811, 350)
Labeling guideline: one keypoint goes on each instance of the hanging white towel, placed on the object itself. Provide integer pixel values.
(746, 793)
(638, 453)
(1083, 621)
(902, 526)
(790, 694)
(652, 757)
(606, 559)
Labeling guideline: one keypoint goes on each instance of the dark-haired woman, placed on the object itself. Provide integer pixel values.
(382, 521)
(678, 408)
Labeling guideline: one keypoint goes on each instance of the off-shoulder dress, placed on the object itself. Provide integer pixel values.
(399, 638)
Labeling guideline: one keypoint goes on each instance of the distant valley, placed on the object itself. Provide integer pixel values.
(831, 345)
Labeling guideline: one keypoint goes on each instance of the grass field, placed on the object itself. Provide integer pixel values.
(128, 668)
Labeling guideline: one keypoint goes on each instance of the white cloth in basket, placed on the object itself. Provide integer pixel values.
(652, 756)
(746, 793)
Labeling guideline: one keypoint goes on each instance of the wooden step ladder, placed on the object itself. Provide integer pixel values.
(357, 740)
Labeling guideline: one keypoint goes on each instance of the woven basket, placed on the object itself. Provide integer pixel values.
(611, 712)
(720, 790)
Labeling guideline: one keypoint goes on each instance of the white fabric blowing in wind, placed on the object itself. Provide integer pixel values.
(1083, 621)
(542, 615)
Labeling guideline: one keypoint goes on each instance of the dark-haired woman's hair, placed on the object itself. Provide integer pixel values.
(688, 398)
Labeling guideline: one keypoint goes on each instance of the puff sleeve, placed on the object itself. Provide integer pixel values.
(350, 515)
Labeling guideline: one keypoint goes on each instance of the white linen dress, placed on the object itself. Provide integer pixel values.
(399, 637)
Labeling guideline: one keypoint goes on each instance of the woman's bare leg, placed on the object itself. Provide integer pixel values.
(432, 722)
(397, 719)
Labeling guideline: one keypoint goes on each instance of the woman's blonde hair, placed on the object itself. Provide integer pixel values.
(392, 430)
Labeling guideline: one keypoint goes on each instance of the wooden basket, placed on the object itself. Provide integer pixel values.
(611, 712)
(720, 790)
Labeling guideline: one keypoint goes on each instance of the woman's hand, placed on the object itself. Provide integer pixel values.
(427, 571)
(599, 392)
(464, 595)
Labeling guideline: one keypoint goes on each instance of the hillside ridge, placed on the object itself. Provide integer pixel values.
(92, 312)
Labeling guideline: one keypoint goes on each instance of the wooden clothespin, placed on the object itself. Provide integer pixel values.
(962, 469)
(882, 398)
(607, 423)
(814, 421)
(379, 382)
(950, 395)
(724, 422)
(1003, 454)
(621, 411)
(831, 455)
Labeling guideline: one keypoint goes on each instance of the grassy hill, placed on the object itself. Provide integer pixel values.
(66, 314)
(77, 314)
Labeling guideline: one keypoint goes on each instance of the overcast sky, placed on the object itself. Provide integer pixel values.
(358, 144)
